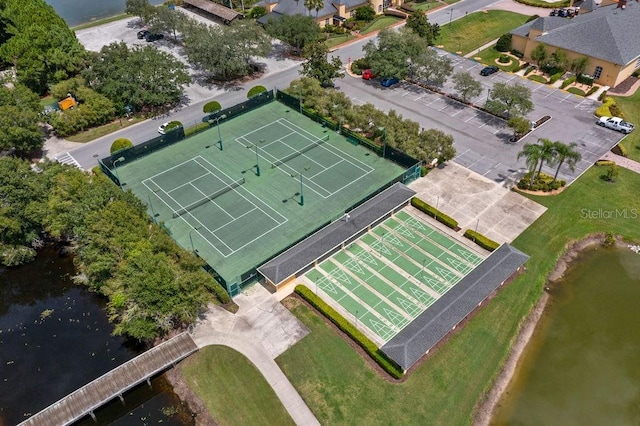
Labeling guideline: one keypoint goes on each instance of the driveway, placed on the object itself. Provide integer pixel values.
(481, 140)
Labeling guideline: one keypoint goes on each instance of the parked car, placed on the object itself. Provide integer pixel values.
(368, 74)
(616, 123)
(162, 129)
(389, 81)
(143, 33)
(153, 37)
(486, 71)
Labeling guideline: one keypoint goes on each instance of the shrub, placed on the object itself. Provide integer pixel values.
(256, 90)
(602, 96)
(504, 59)
(620, 150)
(433, 212)
(257, 12)
(568, 81)
(120, 144)
(423, 171)
(605, 163)
(533, 18)
(481, 240)
(359, 65)
(195, 129)
(538, 78)
(173, 125)
(576, 91)
(616, 111)
(605, 108)
(504, 43)
(585, 79)
(350, 330)
(593, 90)
(365, 13)
(212, 106)
(523, 66)
(529, 69)
(518, 54)
(555, 77)
(636, 73)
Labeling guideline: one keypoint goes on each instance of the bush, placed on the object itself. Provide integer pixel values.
(530, 69)
(602, 96)
(605, 108)
(593, 90)
(195, 129)
(568, 81)
(212, 106)
(523, 66)
(437, 214)
(481, 240)
(172, 125)
(359, 65)
(257, 12)
(533, 18)
(620, 150)
(504, 59)
(538, 78)
(256, 90)
(605, 163)
(585, 79)
(518, 54)
(423, 171)
(555, 77)
(120, 144)
(576, 91)
(504, 43)
(365, 13)
(616, 111)
(543, 183)
(350, 330)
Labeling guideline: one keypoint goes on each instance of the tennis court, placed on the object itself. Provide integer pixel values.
(392, 274)
(276, 177)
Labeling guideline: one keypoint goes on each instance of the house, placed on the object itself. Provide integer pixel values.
(607, 34)
(333, 12)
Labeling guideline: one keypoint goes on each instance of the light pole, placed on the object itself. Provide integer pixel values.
(193, 250)
(339, 117)
(217, 121)
(384, 140)
(450, 16)
(258, 158)
(115, 169)
(301, 188)
(488, 94)
(356, 318)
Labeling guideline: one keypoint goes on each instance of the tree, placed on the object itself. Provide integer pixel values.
(140, 8)
(565, 153)
(314, 4)
(466, 85)
(255, 91)
(434, 143)
(120, 144)
(431, 67)
(559, 59)
(511, 100)
(419, 23)
(578, 65)
(395, 50)
(504, 43)
(532, 154)
(168, 20)
(19, 108)
(365, 13)
(142, 77)
(519, 125)
(317, 66)
(547, 153)
(539, 54)
(211, 106)
(295, 30)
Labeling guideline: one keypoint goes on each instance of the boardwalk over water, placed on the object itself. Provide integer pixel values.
(83, 401)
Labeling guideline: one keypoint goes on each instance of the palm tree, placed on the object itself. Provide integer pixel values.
(547, 153)
(532, 154)
(566, 153)
(314, 4)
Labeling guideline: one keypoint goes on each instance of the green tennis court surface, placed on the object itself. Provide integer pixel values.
(278, 177)
(392, 274)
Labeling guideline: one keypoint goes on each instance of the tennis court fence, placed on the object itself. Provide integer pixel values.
(208, 198)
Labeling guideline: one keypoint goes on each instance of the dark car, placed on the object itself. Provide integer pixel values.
(153, 37)
(491, 69)
(143, 33)
(389, 81)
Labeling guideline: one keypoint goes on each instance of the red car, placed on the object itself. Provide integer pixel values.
(368, 74)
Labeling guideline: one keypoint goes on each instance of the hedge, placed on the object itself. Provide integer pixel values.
(576, 91)
(568, 81)
(120, 144)
(555, 77)
(433, 212)
(256, 90)
(605, 163)
(605, 108)
(195, 129)
(529, 69)
(593, 90)
(212, 106)
(620, 150)
(481, 240)
(538, 78)
(542, 3)
(585, 79)
(350, 330)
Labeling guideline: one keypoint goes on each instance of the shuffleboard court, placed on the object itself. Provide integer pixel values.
(392, 274)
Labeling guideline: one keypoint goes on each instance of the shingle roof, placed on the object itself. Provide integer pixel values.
(215, 9)
(548, 23)
(589, 5)
(607, 33)
(293, 7)
(331, 236)
(432, 325)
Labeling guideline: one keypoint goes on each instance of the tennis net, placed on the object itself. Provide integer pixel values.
(300, 152)
(208, 198)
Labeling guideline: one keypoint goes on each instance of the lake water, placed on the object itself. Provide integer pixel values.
(582, 366)
(55, 338)
(76, 12)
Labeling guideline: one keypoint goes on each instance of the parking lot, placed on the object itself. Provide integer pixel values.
(482, 140)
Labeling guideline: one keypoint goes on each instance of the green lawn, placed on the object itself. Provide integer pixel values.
(233, 389)
(477, 29)
(341, 388)
(337, 39)
(427, 5)
(631, 108)
(97, 132)
(488, 57)
(380, 23)
(538, 78)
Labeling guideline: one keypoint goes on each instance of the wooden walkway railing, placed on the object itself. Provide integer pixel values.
(114, 383)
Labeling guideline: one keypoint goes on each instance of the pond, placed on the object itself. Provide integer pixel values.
(582, 365)
(76, 12)
(55, 337)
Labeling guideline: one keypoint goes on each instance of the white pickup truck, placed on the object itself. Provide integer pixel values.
(616, 123)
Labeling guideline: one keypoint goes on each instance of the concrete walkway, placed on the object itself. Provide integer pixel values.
(261, 330)
(621, 161)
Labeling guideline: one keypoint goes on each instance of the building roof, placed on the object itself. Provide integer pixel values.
(296, 7)
(333, 235)
(216, 9)
(609, 33)
(423, 333)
